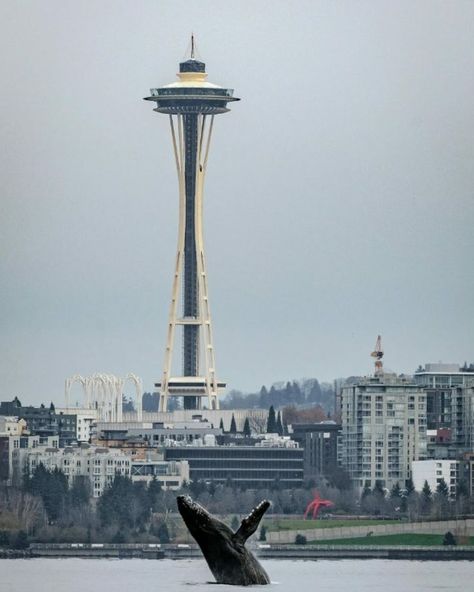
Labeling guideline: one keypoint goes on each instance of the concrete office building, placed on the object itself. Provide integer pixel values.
(253, 467)
(383, 429)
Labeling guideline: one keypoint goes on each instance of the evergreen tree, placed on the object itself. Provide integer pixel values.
(279, 425)
(235, 523)
(271, 421)
(426, 498)
(246, 430)
(221, 425)
(442, 488)
(409, 487)
(233, 425)
(263, 398)
(154, 493)
(163, 534)
(442, 499)
(396, 492)
(462, 490)
(80, 491)
(449, 539)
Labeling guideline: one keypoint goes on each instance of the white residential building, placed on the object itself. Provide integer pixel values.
(100, 465)
(85, 420)
(433, 471)
(383, 429)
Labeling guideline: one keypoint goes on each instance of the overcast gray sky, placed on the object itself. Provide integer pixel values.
(338, 202)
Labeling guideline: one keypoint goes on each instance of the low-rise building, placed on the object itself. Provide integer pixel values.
(11, 426)
(254, 467)
(170, 474)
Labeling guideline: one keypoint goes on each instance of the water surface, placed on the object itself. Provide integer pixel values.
(147, 575)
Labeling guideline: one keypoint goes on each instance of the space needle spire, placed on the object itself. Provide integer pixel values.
(191, 104)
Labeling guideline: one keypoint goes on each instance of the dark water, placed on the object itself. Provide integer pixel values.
(145, 575)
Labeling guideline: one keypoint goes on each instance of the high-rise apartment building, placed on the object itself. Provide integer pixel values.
(450, 406)
(383, 429)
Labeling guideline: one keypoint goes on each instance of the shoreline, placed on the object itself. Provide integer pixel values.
(296, 552)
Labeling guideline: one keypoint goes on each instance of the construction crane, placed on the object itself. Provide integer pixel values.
(378, 355)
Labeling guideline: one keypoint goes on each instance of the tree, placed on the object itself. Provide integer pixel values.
(20, 541)
(263, 398)
(233, 425)
(442, 499)
(246, 430)
(221, 425)
(154, 493)
(300, 539)
(442, 488)
(426, 498)
(396, 492)
(271, 421)
(80, 491)
(263, 534)
(163, 534)
(449, 539)
(279, 425)
(235, 523)
(409, 487)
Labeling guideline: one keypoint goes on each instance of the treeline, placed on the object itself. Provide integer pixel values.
(440, 504)
(297, 393)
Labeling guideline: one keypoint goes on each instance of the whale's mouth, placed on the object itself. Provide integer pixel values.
(192, 513)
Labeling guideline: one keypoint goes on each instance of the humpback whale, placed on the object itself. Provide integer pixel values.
(225, 552)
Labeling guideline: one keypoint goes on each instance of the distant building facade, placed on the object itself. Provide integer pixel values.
(170, 474)
(85, 421)
(450, 407)
(11, 450)
(434, 471)
(42, 421)
(253, 467)
(11, 426)
(383, 429)
(320, 444)
(99, 465)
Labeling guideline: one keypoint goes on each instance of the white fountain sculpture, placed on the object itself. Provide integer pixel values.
(104, 392)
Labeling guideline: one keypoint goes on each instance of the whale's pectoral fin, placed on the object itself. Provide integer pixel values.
(250, 524)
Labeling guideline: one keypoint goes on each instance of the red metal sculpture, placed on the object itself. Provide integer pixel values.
(316, 504)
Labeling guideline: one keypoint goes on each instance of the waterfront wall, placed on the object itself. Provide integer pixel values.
(461, 528)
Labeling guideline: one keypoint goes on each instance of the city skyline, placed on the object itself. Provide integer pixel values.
(338, 203)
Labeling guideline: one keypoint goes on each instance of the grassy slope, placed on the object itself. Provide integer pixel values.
(392, 539)
(295, 524)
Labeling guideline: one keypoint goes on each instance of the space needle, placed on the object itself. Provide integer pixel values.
(191, 104)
